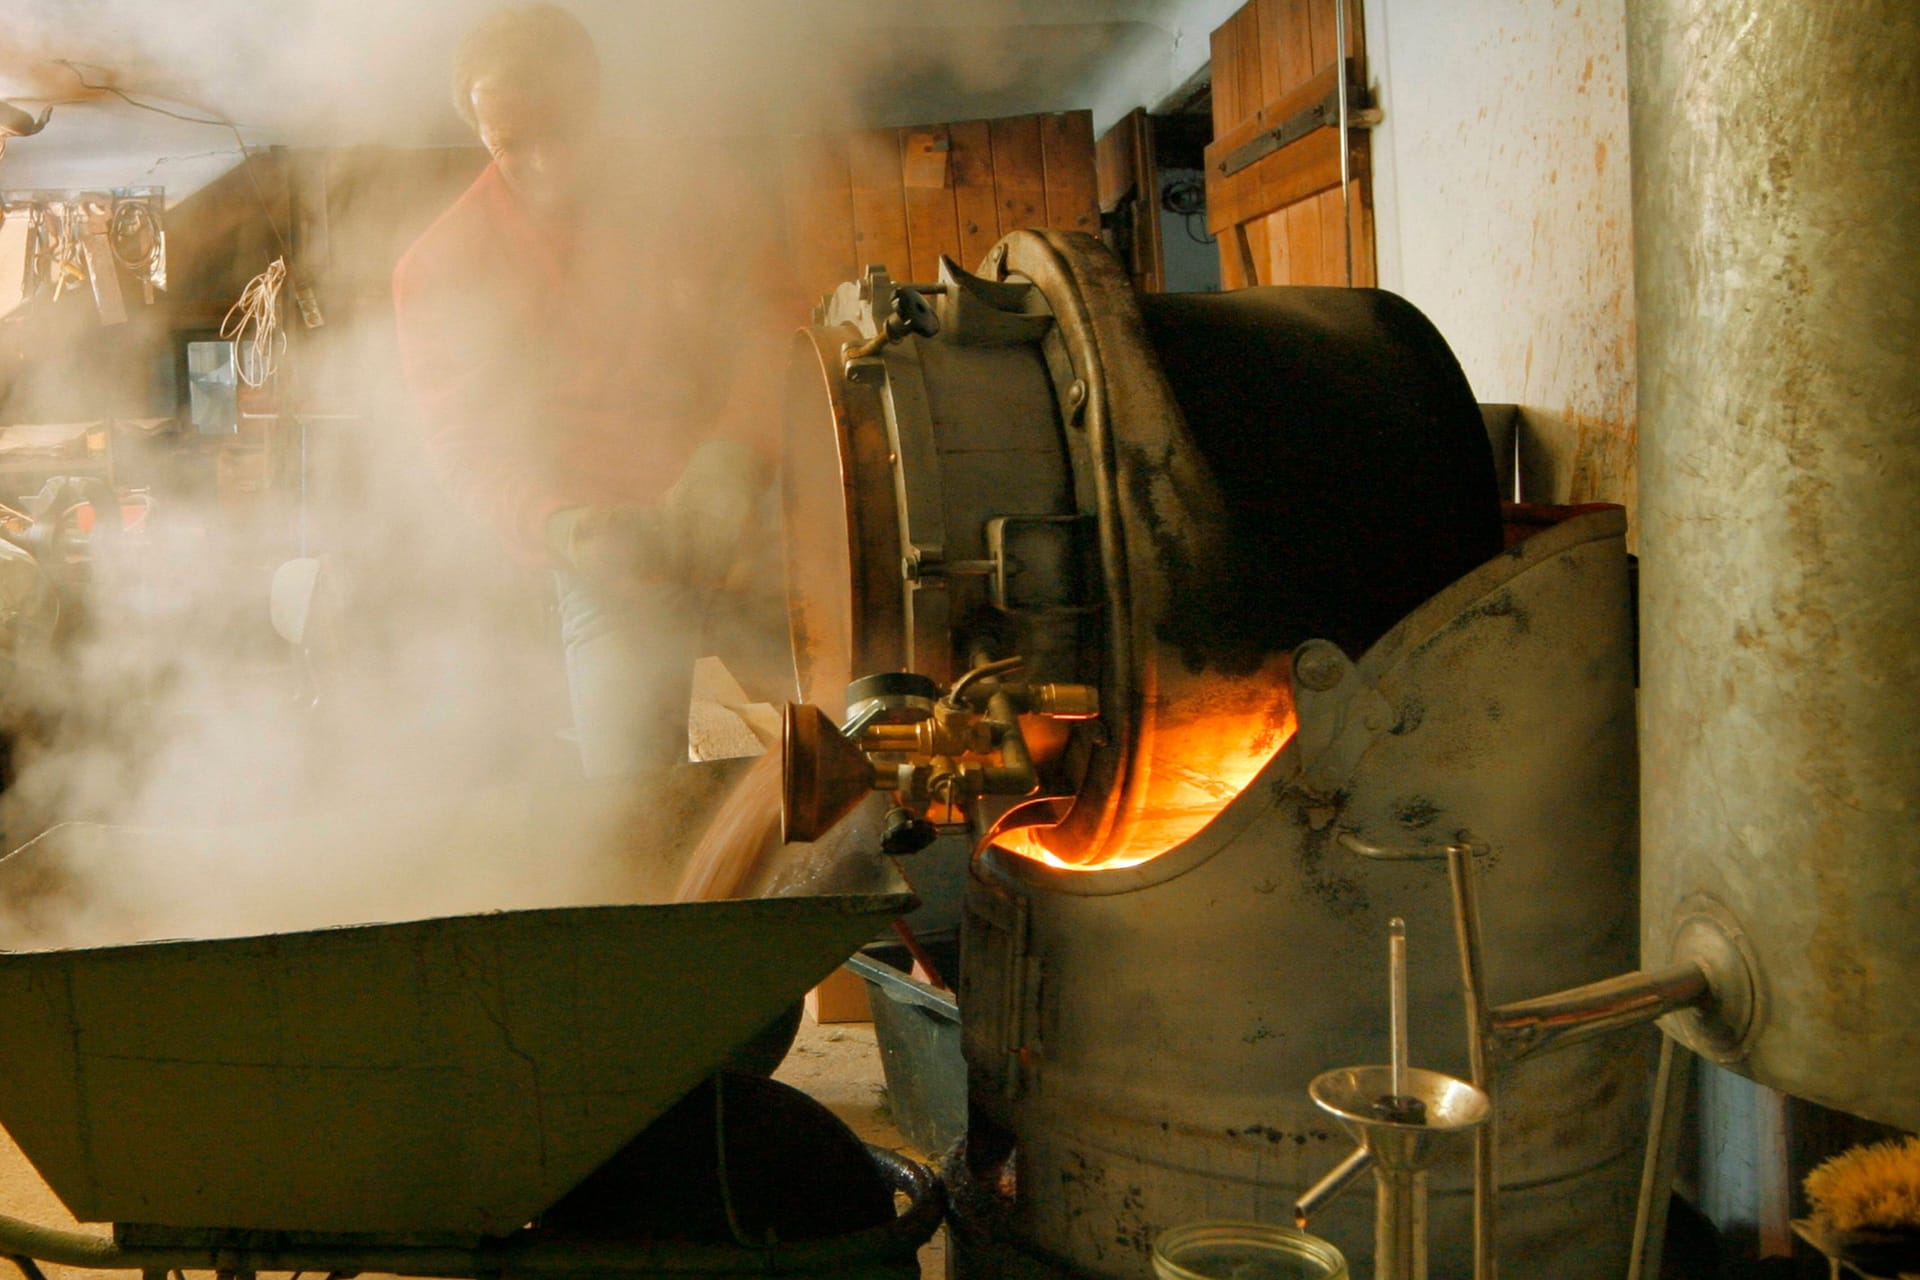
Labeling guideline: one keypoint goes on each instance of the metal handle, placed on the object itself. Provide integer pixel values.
(907, 312)
(1463, 843)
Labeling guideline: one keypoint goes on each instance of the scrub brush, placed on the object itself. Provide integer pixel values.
(1866, 1208)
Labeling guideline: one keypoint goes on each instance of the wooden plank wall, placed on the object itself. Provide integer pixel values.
(1271, 60)
(902, 197)
(906, 197)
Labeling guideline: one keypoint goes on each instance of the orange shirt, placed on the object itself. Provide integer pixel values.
(582, 364)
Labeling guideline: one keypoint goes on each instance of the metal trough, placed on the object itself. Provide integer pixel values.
(432, 1081)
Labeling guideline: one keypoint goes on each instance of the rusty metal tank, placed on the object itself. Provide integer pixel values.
(1265, 526)
(1775, 216)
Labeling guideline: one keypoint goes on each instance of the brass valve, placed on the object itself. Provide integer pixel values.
(966, 745)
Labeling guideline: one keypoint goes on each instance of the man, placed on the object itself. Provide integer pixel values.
(594, 336)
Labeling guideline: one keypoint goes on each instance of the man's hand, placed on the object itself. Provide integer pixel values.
(709, 513)
(613, 546)
(694, 536)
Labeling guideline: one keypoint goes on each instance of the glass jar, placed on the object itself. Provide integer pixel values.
(1244, 1251)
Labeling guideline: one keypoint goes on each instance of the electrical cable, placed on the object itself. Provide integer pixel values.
(54, 256)
(252, 324)
(220, 122)
(734, 1227)
(126, 97)
(134, 235)
(138, 240)
(1186, 198)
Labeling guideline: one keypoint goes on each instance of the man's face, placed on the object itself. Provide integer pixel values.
(538, 141)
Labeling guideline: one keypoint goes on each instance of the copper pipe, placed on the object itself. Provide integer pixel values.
(1527, 1027)
(979, 673)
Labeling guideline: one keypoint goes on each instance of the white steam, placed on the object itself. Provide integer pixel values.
(429, 776)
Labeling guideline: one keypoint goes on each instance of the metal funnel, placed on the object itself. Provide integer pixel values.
(1400, 1128)
(823, 775)
(1353, 1095)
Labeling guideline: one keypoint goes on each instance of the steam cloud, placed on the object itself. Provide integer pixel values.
(422, 782)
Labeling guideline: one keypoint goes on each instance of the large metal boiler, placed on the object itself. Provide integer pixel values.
(1248, 551)
(1775, 214)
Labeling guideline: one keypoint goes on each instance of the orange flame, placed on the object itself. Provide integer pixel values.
(1192, 769)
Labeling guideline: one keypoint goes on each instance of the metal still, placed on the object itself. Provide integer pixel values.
(1262, 530)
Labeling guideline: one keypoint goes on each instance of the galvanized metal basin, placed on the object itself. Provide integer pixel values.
(434, 1079)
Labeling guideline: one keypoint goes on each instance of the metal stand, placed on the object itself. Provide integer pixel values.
(1391, 1130)
(1403, 1145)
(1397, 1114)
(1663, 1154)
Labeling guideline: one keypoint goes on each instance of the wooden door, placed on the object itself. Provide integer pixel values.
(1128, 172)
(1273, 169)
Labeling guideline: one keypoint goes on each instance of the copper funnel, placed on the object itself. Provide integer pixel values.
(823, 775)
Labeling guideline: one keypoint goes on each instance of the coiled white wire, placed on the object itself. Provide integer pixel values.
(253, 326)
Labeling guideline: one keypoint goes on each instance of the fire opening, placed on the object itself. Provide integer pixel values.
(1191, 770)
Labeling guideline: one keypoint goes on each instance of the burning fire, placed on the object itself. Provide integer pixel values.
(1187, 770)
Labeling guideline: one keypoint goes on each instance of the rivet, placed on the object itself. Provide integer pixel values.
(1318, 666)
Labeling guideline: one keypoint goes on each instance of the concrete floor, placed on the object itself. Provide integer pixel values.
(23, 1195)
(837, 1064)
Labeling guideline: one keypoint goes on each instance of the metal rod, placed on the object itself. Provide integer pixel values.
(1400, 1224)
(1340, 92)
(1321, 1193)
(1527, 1027)
(1397, 1002)
(1466, 931)
(984, 671)
(1662, 1159)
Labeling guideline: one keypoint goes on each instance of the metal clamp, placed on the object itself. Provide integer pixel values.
(907, 312)
(1340, 714)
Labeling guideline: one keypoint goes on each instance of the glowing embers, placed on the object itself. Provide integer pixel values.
(1189, 768)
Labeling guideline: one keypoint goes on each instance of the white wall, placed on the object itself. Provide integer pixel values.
(1155, 73)
(1503, 211)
